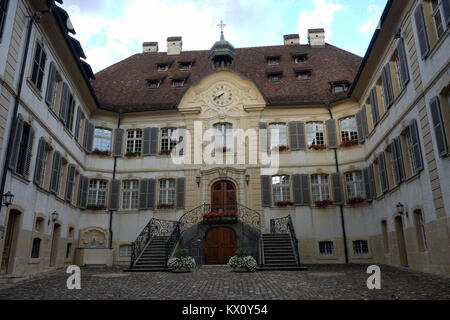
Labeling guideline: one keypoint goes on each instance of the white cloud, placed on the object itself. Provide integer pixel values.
(322, 16)
(368, 27)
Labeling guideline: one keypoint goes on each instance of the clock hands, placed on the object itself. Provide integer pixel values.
(219, 96)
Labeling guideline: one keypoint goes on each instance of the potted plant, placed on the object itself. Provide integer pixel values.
(242, 262)
(349, 143)
(281, 148)
(284, 204)
(103, 153)
(132, 154)
(182, 262)
(165, 152)
(355, 201)
(324, 203)
(96, 207)
(318, 147)
(220, 217)
(165, 206)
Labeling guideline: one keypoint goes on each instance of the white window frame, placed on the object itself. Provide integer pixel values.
(281, 186)
(125, 250)
(166, 142)
(102, 139)
(315, 132)
(130, 194)
(354, 184)
(223, 136)
(134, 140)
(167, 191)
(282, 135)
(326, 248)
(348, 128)
(437, 14)
(320, 187)
(97, 192)
(412, 158)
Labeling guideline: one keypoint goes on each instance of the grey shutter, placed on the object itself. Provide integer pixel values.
(86, 134)
(40, 164)
(114, 195)
(297, 184)
(394, 162)
(446, 8)
(50, 93)
(118, 142)
(18, 131)
(293, 135)
(373, 188)
(151, 194)
(262, 137)
(90, 136)
(64, 108)
(374, 106)
(367, 185)
(331, 132)
(265, 191)
(80, 189)
(401, 165)
(29, 152)
(143, 205)
(55, 172)
(84, 192)
(305, 189)
(359, 123)
(154, 141)
(416, 146)
(301, 135)
(70, 182)
(364, 122)
(383, 173)
(438, 126)
(403, 61)
(147, 141)
(180, 193)
(337, 188)
(421, 31)
(77, 124)
(387, 85)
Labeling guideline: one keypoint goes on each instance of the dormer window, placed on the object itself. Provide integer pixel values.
(301, 58)
(154, 84)
(163, 67)
(185, 66)
(275, 77)
(177, 83)
(303, 75)
(339, 86)
(273, 61)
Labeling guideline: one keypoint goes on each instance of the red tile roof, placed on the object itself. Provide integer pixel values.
(123, 86)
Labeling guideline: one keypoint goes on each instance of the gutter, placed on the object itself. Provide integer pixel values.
(111, 212)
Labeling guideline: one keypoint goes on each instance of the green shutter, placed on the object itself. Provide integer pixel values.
(180, 193)
(40, 164)
(114, 195)
(143, 205)
(18, 131)
(262, 137)
(416, 146)
(421, 31)
(331, 132)
(29, 152)
(336, 184)
(438, 126)
(265, 191)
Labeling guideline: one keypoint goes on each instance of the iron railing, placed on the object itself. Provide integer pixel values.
(285, 225)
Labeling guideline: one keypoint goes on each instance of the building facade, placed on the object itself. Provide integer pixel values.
(355, 151)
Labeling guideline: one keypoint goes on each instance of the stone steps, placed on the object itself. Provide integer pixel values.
(279, 253)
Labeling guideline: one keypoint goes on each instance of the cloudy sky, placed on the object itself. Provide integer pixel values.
(112, 30)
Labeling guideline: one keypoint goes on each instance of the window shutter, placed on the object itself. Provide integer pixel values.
(394, 161)
(265, 191)
(70, 182)
(301, 135)
(367, 185)
(305, 189)
(421, 31)
(147, 141)
(438, 126)
(143, 194)
(383, 173)
(337, 188)
(39, 162)
(55, 172)
(401, 165)
(373, 189)
(446, 8)
(80, 189)
(118, 142)
(387, 85)
(331, 132)
(297, 184)
(90, 136)
(154, 141)
(50, 93)
(86, 134)
(293, 136)
(18, 131)
(84, 193)
(359, 123)
(151, 194)
(263, 138)
(374, 106)
(77, 124)
(364, 122)
(403, 61)
(114, 195)
(180, 193)
(417, 150)
(29, 152)
(64, 108)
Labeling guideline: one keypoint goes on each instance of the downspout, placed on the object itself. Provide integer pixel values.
(341, 206)
(111, 212)
(16, 108)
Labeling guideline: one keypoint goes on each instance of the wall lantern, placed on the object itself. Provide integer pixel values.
(7, 199)
(247, 178)
(198, 181)
(54, 217)
(401, 209)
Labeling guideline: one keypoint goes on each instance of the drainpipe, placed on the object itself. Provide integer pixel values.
(111, 212)
(16, 108)
(341, 206)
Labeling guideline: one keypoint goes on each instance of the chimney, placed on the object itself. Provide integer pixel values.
(316, 38)
(291, 39)
(174, 45)
(150, 47)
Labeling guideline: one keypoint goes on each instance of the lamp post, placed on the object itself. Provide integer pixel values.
(247, 178)
(401, 209)
(53, 217)
(198, 181)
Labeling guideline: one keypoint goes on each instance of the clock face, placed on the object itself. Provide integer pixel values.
(222, 95)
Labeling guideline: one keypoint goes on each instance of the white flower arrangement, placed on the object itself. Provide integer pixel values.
(182, 263)
(248, 263)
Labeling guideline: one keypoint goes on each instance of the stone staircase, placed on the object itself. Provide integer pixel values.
(154, 256)
(278, 252)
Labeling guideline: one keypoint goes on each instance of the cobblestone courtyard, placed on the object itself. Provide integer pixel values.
(216, 282)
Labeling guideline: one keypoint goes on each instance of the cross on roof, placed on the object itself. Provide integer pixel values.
(221, 25)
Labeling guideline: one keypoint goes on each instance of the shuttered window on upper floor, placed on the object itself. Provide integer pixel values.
(439, 127)
(22, 147)
(39, 59)
(3, 13)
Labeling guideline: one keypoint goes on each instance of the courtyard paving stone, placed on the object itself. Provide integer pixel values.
(218, 283)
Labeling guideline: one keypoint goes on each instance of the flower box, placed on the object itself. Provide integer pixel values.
(324, 203)
(165, 206)
(165, 152)
(318, 147)
(132, 154)
(355, 201)
(282, 148)
(102, 153)
(96, 207)
(227, 217)
(349, 143)
(284, 204)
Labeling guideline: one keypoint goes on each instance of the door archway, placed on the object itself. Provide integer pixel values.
(220, 245)
(11, 237)
(401, 244)
(223, 196)
(55, 244)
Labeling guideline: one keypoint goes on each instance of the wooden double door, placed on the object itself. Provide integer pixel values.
(220, 245)
(223, 196)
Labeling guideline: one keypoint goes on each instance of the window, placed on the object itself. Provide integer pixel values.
(349, 130)
(97, 192)
(134, 141)
(3, 12)
(303, 75)
(437, 17)
(273, 61)
(360, 247)
(38, 224)
(125, 251)
(167, 143)
(223, 136)
(339, 88)
(130, 194)
(185, 66)
(319, 186)
(40, 175)
(163, 67)
(22, 165)
(398, 71)
(300, 59)
(102, 139)
(275, 77)
(384, 230)
(154, 84)
(37, 73)
(68, 250)
(281, 188)
(355, 185)
(278, 135)
(167, 191)
(35, 248)
(177, 83)
(326, 248)
(420, 230)
(314, 134)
